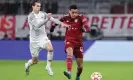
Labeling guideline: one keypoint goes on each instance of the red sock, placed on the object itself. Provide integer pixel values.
(69, 64)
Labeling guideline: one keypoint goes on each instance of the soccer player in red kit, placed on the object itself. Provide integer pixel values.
(73, 39)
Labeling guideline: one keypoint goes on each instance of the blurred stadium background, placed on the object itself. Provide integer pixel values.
(110, 52)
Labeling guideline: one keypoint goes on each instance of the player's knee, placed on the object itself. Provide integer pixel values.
(69, 52)
(35, 62)
(50, 50)
(80, 65)
(69, 55)
(69, 49)
(49, 47)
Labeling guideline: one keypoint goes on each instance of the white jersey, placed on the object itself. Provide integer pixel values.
(37, 25)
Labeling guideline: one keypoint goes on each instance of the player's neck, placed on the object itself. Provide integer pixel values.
(36, 12)
(72, 17)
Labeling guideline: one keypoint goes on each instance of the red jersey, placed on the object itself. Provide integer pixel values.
(74, 32)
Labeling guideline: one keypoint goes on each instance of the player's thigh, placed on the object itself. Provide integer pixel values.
(34, 49)
(69, 49)
(49, 46)
(78, 52)
(46, 44)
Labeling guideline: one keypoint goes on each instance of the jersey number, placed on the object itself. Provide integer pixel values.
(81, 49)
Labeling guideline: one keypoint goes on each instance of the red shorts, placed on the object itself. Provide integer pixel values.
(77, 48)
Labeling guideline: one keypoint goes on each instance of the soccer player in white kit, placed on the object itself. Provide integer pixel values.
(38, 37)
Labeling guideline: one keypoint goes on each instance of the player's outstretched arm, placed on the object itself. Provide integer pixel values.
(85, 27)
(92, 30)
(56, 21)
(59, 22)
(53, 27)
(36, 24)
(49, 15)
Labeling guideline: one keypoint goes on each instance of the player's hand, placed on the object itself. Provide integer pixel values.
(52, 29)
(49, 15)
(82, 30)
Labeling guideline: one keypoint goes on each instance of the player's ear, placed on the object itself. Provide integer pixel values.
(69, 11)
(32, 6)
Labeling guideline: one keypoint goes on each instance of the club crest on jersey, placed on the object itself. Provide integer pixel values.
(67, 21)
(67, 42)
(76, 20)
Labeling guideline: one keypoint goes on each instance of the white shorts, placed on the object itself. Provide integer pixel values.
(35, 47)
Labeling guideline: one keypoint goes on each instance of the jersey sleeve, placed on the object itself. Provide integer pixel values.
(62, 19)
(85, 23)
(53, 27)
(35, 23)
(56, 21)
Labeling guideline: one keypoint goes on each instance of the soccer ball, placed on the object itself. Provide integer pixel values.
(96, 76)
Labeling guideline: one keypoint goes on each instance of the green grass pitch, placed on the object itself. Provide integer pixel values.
(14, 70)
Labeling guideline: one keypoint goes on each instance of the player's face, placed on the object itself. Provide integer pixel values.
(36, 7)
(73, 13)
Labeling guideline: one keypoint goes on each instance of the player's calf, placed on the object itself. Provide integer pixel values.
(69, 64)
(69, 51)
(49, 54)
(79, 71)
(79, 67)
(32, 61)
(27, 66)
(49, 58)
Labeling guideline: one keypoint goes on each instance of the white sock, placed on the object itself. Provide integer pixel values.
(30, 62)
(49, 58)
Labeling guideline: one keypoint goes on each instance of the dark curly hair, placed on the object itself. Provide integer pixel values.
(73, 7)
(34, 1)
